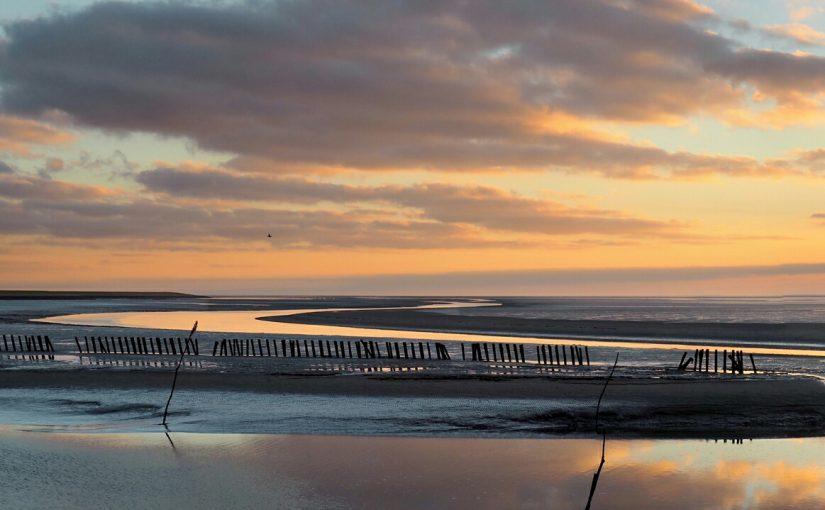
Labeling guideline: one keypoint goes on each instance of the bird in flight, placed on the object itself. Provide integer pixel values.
(269, 235)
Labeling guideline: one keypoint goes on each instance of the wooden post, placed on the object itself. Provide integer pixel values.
(752, 363)
(430, 354)
(587, 353)
(564, 353)
(463, 354)
(76, 341)
(175, 379)
(521, 350)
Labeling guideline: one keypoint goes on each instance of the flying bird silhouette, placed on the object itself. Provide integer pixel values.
(269, 235)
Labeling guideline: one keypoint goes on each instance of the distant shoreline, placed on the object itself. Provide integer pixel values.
(72, 294)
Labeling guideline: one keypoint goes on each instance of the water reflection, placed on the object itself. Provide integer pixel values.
(245, 471)
(247, 321)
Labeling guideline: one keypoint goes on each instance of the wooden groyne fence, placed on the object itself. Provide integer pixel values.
(702, 356)
(733, 361)
(136, 345)
(28, 344)
(546, 354)
(371, 349)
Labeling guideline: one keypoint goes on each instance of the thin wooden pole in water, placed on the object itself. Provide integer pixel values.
(606, 382)
(175, 378)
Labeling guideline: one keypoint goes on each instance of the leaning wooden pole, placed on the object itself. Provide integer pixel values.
(175, 378)
(604, 388)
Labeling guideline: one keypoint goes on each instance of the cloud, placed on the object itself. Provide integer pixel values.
(19, 187)
(18, 134)
(180, 208)
(437, 85)
(5, 168)
(799, 32)
(481, 206)
(152, 223)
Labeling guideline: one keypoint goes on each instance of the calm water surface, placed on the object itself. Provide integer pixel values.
(52, 470)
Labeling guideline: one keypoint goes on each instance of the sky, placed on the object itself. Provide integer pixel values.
(569, 147)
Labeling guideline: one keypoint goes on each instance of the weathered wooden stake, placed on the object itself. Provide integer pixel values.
(175, 378)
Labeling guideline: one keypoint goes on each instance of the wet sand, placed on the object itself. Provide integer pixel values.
(701, 407)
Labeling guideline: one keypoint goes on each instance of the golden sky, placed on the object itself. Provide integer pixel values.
(567, 147)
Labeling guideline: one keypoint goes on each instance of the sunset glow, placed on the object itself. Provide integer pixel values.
(567, 147)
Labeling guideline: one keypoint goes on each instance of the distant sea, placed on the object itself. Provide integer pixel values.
(670, 309)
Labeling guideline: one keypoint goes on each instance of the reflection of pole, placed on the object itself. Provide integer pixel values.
(596, 476)
(610, 376)
(177, 369)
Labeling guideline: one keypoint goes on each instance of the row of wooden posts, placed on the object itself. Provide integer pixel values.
(515, 352)
(27, 343)
(136, 345)
(359, 349)
(736, 358)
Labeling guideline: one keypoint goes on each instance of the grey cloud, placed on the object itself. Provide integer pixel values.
(15, 187)
(440, 85)
(214, 184)
(151, 222)
(482, 206)
(5, 168)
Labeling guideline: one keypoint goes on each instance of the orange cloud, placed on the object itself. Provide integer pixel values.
(17, 135)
